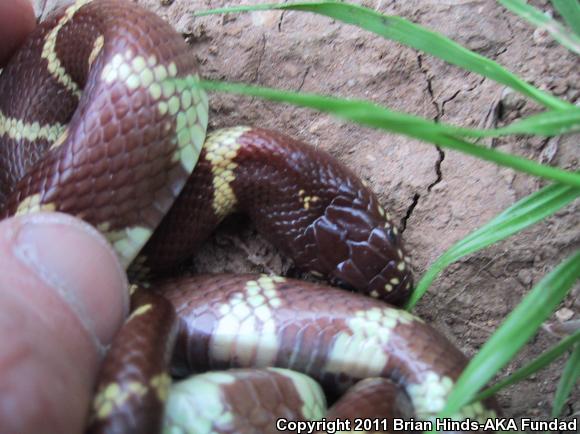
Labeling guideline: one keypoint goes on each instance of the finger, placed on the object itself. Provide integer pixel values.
(62, 298)
(16, 22)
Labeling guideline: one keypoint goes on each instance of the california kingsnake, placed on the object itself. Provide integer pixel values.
(101, 117)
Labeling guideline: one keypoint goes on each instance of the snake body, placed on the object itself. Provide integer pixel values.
(101, 117)
(309, 206)
(118, 153)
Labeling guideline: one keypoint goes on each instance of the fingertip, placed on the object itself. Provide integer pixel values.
(73, 262)
(63, 296)
(17, 21)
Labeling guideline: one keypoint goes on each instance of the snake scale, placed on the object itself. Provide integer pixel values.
(101, 117)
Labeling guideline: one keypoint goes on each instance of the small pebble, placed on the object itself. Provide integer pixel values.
(512, 100)
(550, 150)
(564, 314)
(525, 277)
(542, 37)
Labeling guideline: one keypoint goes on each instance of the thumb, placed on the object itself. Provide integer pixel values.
(16, 22)
(63, 296)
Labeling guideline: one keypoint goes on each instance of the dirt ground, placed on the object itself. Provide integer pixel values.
(439, 196)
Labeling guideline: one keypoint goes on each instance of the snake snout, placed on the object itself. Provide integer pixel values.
(389, 270)
(392, 284)
(359, 248)
(372, 257)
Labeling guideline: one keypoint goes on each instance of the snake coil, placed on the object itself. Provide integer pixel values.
(101, 117)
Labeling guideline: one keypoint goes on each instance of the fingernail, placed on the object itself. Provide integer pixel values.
(74, 260)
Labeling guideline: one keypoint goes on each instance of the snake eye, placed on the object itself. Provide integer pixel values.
(391, 236)
(335, 281)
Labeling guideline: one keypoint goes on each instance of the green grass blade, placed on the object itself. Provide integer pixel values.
(570, 11)
(567, 381)
(413, 35)
(516, 330)
(520, 215)
(375, 116)
(551, 123)
(529, 13)
(531, 368)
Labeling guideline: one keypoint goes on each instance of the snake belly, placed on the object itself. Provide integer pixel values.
(101, 117)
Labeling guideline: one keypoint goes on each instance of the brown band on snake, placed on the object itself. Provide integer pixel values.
(133, 382)
(306, 203)
(378, 400)
(243, 401)
(334, 336)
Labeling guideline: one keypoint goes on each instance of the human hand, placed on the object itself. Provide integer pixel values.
(63, 296)
(16, 22)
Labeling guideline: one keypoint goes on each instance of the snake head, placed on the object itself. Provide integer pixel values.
(359, 248)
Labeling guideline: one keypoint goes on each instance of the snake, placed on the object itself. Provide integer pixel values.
(102, 116)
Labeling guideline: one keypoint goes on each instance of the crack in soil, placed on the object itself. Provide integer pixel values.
(500, 52)
(303, 79)
(441, 154)
(438, 171)
(281, 20)
(410, 209)
(451, 98)
(429, 86)
(476, 85)
(260, 57)
(440, 113)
